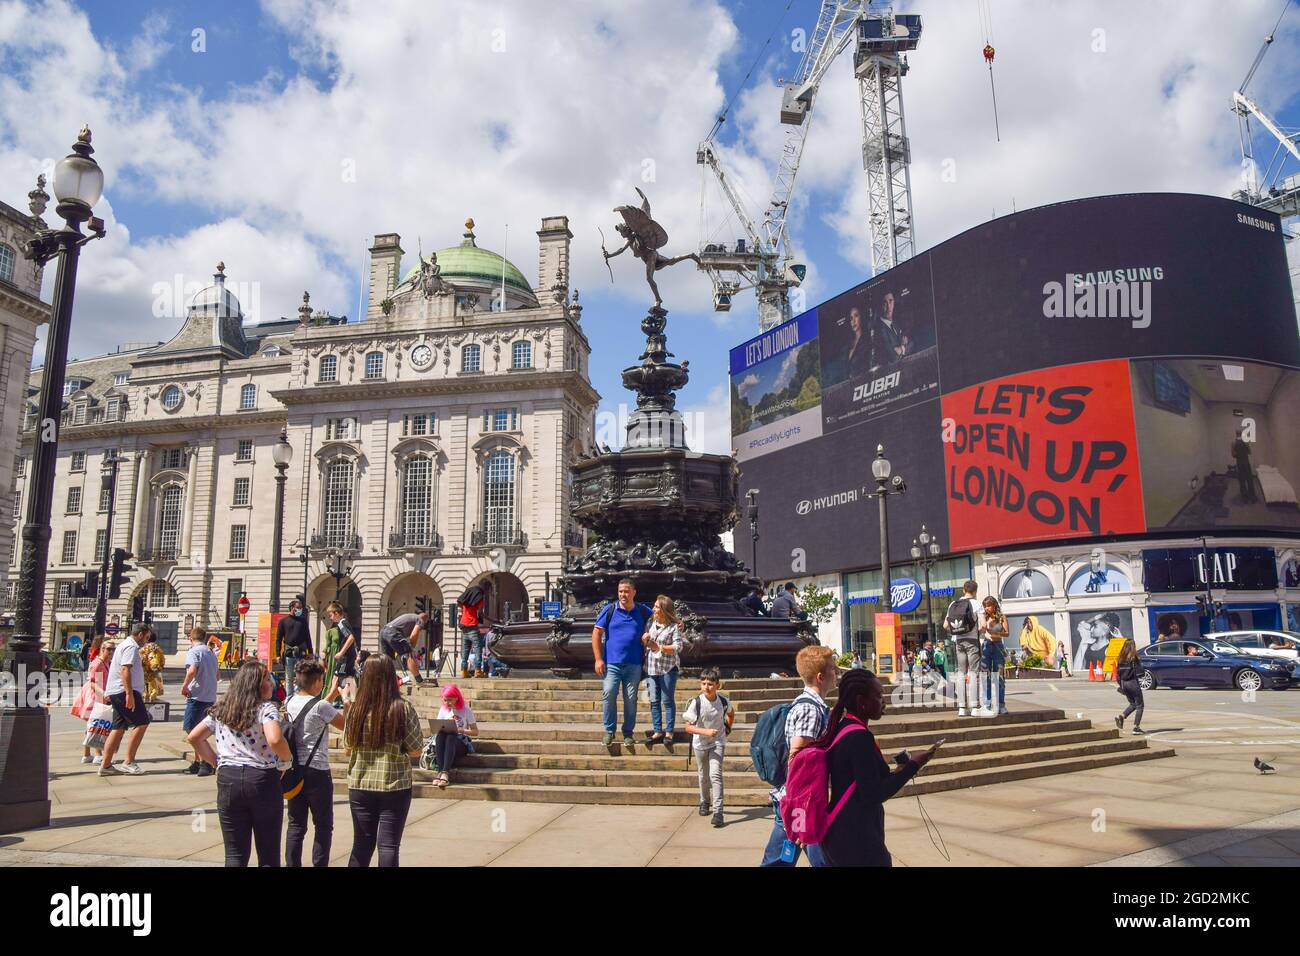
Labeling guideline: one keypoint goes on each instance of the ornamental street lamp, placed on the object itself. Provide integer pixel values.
(24, 724)
(885, 486)
(109, 482)
(925, 552)
(281, 455)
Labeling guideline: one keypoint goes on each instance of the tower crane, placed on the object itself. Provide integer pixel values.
(763, 258)
(1273, 191)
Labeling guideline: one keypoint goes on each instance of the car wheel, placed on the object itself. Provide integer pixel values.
(1147, 680)
(1248, 679)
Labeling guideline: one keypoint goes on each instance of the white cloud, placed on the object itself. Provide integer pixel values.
(708, 423)
(746, 383)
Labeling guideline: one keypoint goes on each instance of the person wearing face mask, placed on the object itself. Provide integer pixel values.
(293, 637)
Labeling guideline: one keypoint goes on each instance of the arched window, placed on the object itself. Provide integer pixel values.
(329, 368)
(171, 398)
(7, 261)
(374, 365)
(521, 355)
(471, 358)
(248, 397)
(169, 520)
(499, 497)
(416, 520)
(338, 504)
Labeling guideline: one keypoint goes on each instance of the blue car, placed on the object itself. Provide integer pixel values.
(1209, 663)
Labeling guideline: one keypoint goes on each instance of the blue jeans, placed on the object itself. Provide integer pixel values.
(772, 853)
(471, 641)
(662, 688)
(628, 677)
(992, 657)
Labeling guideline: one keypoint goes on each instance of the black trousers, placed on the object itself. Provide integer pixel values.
(449, 747)
(1132, 690)
(378, 817)
(251, 809)
(316, 796)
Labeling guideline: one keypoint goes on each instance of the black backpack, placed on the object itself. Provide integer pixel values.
(473, 595)
(961, 617)
(292, 780)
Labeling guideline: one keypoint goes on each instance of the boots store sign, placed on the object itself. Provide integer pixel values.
(1194, 569)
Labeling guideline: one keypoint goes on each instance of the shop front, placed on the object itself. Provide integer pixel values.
(862, 600)
(1242, 583)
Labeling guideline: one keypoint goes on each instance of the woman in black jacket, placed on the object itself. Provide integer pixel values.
(856, 837)
(1127, 670)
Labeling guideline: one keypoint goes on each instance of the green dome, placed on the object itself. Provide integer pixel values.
(468, 262)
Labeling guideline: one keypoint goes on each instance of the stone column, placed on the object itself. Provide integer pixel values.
(136, 541)
(191, 499)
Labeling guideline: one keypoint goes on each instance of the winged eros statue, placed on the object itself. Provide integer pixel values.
(645, 238)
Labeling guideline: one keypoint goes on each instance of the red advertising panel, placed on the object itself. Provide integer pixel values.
(1042, 455)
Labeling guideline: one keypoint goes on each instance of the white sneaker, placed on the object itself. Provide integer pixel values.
(961, 712)
(109, 770)
(97, 759)
(1003, 710)
(86, 760)
(134, 769)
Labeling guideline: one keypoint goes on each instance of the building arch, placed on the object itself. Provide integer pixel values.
(401, 592)
(321, 592)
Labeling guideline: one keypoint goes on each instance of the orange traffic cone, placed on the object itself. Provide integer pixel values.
(1092, 671)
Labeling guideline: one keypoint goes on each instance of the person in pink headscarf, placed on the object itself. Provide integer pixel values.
(451, 746)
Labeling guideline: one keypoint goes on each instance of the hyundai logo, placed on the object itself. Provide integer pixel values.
(803, 507)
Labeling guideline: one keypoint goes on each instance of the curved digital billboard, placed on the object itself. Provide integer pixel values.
(1104, 367)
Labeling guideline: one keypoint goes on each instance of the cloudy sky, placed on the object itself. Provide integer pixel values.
(281, 135)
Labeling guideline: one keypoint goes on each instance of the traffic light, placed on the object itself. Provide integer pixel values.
(120, 570)
(421, 605)
(1202, 605)
(88, 587)
(137, 608)
(148, 617)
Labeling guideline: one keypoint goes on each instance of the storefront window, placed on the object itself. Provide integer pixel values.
(862, 600)
(1029, 583)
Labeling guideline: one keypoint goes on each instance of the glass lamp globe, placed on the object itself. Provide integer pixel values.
(77, 177)
(916, 550)
(282, 451)
(923, 538)
(880, 467)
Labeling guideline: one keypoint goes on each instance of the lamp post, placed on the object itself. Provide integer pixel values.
(101, 593)
(752, 495)
(281, 454)
(885, 486)
(24, 724)
(925, 552)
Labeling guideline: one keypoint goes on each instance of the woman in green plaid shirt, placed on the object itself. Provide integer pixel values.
(382, 734)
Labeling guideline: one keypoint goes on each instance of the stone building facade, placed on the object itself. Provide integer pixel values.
(22, 313)
(430, 443)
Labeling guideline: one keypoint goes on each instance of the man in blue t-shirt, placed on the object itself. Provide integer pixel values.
(617, 641)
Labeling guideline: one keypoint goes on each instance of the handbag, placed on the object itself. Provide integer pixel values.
(292, 780)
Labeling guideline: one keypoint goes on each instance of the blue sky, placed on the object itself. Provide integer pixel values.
(509, 112)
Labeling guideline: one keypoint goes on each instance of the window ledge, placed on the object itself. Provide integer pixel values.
(248, 507)
(470, 372)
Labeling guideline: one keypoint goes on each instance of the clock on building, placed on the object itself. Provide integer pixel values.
(422, 357)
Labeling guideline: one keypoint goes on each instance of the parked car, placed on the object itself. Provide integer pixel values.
(1210, 663)
(1262, 643)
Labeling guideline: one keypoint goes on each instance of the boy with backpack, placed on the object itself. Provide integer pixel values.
(781, 732)
(962, 622)
(708, 720)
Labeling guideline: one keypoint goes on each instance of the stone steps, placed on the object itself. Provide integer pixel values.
(541, 740)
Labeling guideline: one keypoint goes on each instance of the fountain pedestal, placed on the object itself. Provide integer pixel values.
(658, 510)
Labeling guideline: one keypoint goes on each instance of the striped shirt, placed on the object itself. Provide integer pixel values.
(386, 768)
(806, 718)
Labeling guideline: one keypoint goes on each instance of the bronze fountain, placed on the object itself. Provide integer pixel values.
(658, 510)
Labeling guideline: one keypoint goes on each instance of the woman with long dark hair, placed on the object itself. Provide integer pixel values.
(250, 746)
(381, 734)
(856, 836)
(1127, 669)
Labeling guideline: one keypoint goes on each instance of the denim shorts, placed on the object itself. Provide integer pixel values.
(195, 711)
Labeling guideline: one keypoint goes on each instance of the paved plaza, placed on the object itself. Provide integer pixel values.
(1206, 806)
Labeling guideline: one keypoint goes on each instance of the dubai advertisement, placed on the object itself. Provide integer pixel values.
(1092, 369)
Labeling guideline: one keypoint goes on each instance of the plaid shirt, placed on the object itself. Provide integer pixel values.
(806, 718)
(659, 662)
(386, 768)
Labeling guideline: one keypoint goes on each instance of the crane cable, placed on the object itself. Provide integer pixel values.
(722, 117)
(1264, 49)
(985, 12)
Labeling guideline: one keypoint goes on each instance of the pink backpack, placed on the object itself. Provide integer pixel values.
(805, 809)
